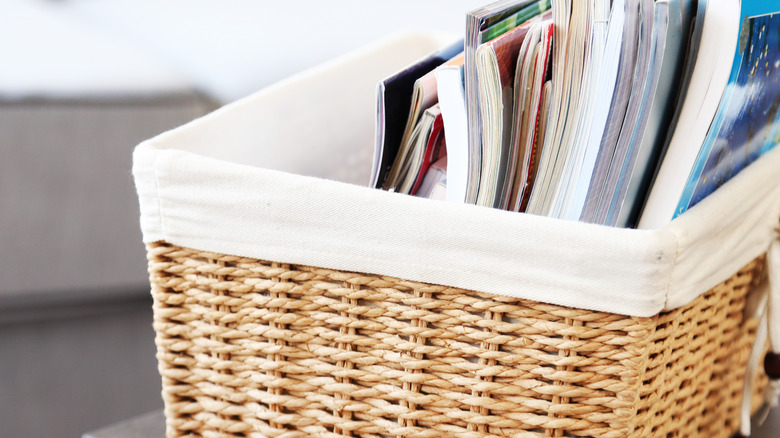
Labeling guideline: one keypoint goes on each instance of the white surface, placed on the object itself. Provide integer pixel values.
(49, 51)
(216, 185)
(231, 49)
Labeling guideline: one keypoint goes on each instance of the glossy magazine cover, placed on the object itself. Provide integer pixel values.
(747, 123)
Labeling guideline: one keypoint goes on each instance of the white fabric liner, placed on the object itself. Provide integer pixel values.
(233, 182)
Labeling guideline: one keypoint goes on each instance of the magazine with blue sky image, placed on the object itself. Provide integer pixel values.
(747, 123)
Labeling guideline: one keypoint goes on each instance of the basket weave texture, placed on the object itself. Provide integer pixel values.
(254, 348)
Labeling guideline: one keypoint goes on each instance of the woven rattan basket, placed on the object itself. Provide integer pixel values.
(293, 301)
(253, 348)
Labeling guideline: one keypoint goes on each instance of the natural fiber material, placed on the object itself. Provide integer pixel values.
(253, 348)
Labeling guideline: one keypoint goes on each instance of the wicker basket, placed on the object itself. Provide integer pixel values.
(384, 315)
(253, 348)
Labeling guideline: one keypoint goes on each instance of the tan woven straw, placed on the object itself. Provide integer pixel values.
(254, 348)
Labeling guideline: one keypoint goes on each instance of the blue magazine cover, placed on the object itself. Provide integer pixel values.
(747, 123)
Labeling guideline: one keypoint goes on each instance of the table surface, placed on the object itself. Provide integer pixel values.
(153, 425)
(146, 426)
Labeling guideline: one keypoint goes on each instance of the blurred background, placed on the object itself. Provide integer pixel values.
(81, 83)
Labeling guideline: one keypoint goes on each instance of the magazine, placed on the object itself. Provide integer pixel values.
(589, 140)
(435, 150)
(434, 184)
(496, 62)
(593, 68)
(452, 100)
(655, 17)
(660, 114)
(394, 99)
(719, 22)
(573, 21)
(424, 143)
(617, 109)
(622, 113)
(747, 123)
(530, 77)
(477, 24)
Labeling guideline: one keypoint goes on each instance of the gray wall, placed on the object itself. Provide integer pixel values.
(76, 344)
(68, 208)
(91, 365)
